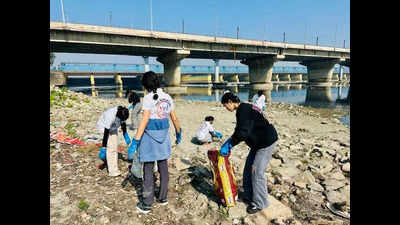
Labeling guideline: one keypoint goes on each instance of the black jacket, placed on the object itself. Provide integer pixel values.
(253, 128)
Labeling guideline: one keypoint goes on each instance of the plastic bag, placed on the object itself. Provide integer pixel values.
(224, 180)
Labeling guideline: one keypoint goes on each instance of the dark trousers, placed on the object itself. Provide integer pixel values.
(148, 181)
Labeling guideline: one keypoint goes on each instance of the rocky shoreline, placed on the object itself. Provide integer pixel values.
(310, 168)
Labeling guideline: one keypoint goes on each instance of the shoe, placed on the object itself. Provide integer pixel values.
(143, 208)
(162, 202)
(251, 209)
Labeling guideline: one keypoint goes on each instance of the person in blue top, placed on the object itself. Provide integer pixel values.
(152, 140)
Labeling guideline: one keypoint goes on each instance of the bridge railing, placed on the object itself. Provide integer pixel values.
(140, 68)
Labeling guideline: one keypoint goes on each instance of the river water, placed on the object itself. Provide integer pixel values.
(294, 94)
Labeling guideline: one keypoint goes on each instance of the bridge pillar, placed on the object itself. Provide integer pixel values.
(216, 70)
(275, 77)
(172, 70)
(146, 64)
(260, 72)
(94, 92)
(221, 78)
(296, 77)
(58, 78)
(319, 79)
(118, 81)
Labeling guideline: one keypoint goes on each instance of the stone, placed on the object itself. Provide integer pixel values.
(315, 187)
(338, 175)
(275, 162)
(238, 211)
(346, 167)
(332, 184)
(286, 173)
(276, 210)
(305, 177)
(335, 197)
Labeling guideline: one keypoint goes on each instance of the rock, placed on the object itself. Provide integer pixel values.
(276, 210)
(316, 153)
(275, 162)
(286, 173)
(346, 167)
(315, 187)
(181, 163)
(305, 177)
(238, 211)
(335, 197)
(332, 184)
(345, 191)
(338, 175)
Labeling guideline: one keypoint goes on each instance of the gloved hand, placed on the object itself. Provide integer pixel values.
(178, 137)
(102, 153)
(219, 135)
(226, 148)
(131, 106)
(132, 148)
(127, 139)
(263, 108)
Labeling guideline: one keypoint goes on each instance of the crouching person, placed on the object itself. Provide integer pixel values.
(206, 132)
(109, 122)
(152, 140)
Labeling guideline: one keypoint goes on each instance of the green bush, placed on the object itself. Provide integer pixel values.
(83, 205)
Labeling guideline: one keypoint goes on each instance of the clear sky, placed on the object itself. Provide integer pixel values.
(301, 20)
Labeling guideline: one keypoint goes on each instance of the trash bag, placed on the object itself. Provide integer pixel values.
(137, 167)
(224, 180)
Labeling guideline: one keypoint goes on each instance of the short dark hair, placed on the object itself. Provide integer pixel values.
(133, 97)
(229, 96)
(151, 82)
(209, 118)
(122, 113)
(260, 92)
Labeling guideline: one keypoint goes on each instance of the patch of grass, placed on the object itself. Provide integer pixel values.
(70, 129)
(83, 205)
(86, 100)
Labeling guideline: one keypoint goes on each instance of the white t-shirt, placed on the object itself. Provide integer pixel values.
(160, 108)
(109, 120)
(259, 101)
(204, 129)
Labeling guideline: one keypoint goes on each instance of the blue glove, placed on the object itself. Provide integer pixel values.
(263, 107)
(219, 135)
(132, 148)
(102, 153)
(178, 137)
(226, 148)
(127, 139)
(131, 106)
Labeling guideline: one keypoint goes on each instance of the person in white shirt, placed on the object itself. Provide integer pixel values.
(109, 122)
(259, 100)
(206, 131)
(152, 140)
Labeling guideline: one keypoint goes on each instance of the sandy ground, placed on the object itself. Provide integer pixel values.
(83, 194)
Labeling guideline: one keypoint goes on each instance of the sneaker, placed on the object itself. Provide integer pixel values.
(162, 202)
(143, 208)
(251, 209)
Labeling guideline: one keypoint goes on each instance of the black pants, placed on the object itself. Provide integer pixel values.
(148, 181)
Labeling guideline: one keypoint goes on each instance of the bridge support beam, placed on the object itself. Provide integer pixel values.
(216, 70)
(172, 70)
(260, 72)
(94, 92)
(296, 77)
(275, 77)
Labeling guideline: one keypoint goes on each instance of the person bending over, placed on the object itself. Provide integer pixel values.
(206, 131)
(261, 137)
(109, 122)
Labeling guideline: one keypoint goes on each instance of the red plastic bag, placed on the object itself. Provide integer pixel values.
(224, 182)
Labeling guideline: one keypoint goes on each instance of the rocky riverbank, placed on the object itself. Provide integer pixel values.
(310, 167)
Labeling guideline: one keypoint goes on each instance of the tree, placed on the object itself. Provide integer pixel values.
(52, 57)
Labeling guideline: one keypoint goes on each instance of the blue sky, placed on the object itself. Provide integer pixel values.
(301, 20)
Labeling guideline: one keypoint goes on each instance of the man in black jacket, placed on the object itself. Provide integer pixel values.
(255, 130)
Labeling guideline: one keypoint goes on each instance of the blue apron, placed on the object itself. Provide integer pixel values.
(155, 143)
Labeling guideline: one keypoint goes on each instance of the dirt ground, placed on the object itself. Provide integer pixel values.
(81, 193)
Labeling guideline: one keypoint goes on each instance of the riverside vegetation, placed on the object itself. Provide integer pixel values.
(310, 167)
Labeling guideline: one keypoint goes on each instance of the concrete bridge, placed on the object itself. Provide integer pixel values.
(171, 48)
